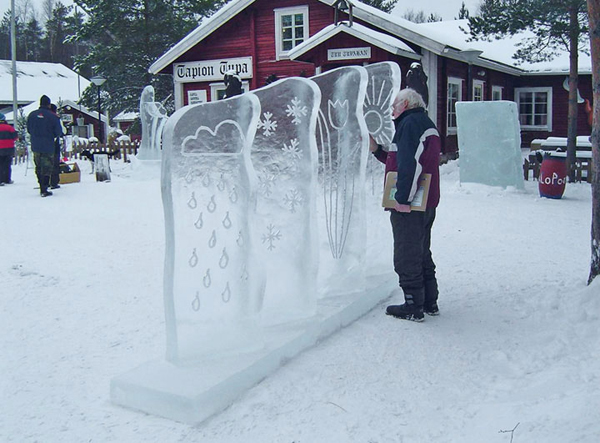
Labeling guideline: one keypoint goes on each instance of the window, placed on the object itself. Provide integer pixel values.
(497, 92)
(454, 95)
(291, 29)
(535, 108)
(477, 91)
(217, 90)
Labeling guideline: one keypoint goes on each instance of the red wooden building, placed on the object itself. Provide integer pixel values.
(264, 40)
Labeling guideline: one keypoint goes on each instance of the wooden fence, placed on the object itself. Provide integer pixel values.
(120, 150)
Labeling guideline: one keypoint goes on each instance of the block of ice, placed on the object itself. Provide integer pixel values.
(153, 117)
(284, 156)
(343, 144)
(382, 88)
(489, 141)
(212, 284)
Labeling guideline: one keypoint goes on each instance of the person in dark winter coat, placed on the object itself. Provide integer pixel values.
(8, 135)
(43, 127)
(415, 151)
(417, 79)
(233, 84)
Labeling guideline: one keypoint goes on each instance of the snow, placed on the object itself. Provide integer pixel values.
(516, 345)
(35, 79)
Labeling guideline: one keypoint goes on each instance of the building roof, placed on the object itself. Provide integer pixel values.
(444, 38)
(383, 41)
(36, 79)
(62, 103)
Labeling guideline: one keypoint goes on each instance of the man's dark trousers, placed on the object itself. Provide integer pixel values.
(413, 261)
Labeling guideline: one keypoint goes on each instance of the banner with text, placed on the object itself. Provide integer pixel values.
(211, 70)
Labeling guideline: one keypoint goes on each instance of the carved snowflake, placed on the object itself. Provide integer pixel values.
(265, 182)
(296, 110)
(292, 150)
(271, 237)
(293, 198)
(268, 126)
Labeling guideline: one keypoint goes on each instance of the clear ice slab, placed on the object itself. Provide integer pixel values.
(213, 286)
(343, 144)
(489, 141)
(284, 156)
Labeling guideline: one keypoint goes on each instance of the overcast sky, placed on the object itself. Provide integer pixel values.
(448, 9)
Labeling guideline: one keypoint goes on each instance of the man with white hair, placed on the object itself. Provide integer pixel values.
(415, 151)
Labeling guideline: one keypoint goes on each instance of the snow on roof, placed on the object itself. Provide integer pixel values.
(36, 79)
(501, 50)
(383, 41)
(443, 38)
(126, 116)
(35, 105)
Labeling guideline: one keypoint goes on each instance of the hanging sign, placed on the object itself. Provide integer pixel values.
(210, 70)
(348, 53)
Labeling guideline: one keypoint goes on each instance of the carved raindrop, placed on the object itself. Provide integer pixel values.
(233, 196)
(227, 221)
(212, 241)
(193, 261)
(224, 260)
(199, 223)
(189, 177)
(221, 183)
(212, 205)
(226, 294)
(206, 180)
(206, 280)
(240, 239)
(196, 302)
(192, 203)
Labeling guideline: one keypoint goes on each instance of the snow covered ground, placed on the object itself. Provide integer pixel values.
(513, 357)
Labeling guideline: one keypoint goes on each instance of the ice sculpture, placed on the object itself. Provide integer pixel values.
(213, 286)
(153, 116)
(284, 156)
(383, 86)
(342, 141)
(489, 140)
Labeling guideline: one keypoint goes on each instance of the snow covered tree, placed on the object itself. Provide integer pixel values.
(463, 12)
(126, 37)
(556, 25)
(384, 5)
(594, 17)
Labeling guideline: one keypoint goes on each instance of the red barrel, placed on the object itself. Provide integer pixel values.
(553, 176)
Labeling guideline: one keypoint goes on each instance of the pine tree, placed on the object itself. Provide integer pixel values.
(594, 17)
(555, 24)
(463, 12)
(384, 5)
(126, 37)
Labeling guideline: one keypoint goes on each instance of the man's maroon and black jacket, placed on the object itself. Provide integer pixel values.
(415, 151)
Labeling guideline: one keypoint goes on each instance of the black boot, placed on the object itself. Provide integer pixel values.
(44, 182)
(406, 312)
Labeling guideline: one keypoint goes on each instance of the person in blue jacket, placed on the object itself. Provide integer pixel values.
(415, 151)
(43, 127)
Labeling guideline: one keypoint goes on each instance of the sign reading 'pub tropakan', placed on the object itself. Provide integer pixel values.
(348, 53)
(210, 70)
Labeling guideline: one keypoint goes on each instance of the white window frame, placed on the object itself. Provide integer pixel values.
(497, 90)
(452, 112)
(220, 86)
(478, 85)
(279, 14)
(534, 91)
